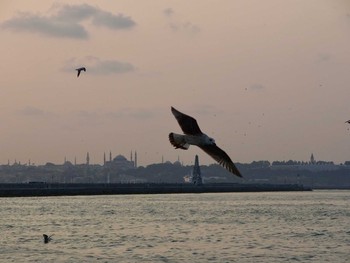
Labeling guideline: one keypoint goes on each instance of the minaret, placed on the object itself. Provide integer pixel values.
(75, 160)
(196, 173)
(110, 156)
(87, 159)
(104, 158)
(162, 159)
(312, 159)
(135, 160)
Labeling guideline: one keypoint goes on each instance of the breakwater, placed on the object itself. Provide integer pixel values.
(56, 189)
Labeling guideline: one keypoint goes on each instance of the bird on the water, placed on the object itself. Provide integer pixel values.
(47, 238)
(194, 136)
(79, 70)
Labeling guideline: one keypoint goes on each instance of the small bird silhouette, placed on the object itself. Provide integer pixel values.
(348, 121)
(79, 70)
(47, 238)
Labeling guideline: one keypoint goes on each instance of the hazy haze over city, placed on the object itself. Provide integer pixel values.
(269, 80)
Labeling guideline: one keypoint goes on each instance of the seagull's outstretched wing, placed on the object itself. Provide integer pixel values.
(348, 121)
(221, 157)
(78, 72)
(187, 123)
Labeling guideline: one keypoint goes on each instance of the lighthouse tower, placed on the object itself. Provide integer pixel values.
(196, 178)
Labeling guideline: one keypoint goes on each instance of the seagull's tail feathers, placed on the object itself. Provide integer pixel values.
(178, 141)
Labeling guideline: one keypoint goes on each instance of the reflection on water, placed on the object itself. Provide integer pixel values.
(230, 227)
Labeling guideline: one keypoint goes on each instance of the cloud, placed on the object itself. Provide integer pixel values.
(187, 27)
(111, 67)
(75, 13)
(98, 66)
(75, 120)
(168, 11)
(203, 109)
(123, 113)
(113, 21)
(138, 114)
(30, 111)
(257, 87)
(323, 57)
(25, 22)
(65, 23)
(178, 25)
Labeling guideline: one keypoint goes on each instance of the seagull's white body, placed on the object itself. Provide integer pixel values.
(184, 141)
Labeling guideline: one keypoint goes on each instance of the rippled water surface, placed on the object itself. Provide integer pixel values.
(231, 227)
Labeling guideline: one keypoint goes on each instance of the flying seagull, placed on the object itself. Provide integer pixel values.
(79, 70)
(47, 238)
(194, 136)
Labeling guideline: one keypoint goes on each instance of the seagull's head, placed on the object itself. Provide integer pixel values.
(209, 141)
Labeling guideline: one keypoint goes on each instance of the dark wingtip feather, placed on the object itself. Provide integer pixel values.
(231, 168)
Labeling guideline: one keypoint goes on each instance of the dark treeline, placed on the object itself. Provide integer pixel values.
(291, 162)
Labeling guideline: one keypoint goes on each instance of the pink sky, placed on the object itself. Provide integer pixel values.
(269, 80)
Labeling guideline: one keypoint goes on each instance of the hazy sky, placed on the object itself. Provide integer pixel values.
(269, 80)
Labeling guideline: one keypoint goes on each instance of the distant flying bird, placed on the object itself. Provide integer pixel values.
(47, 238)
(194, 136)
(79, 70)
(348, 121)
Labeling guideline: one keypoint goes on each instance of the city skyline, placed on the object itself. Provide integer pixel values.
(109, 156)
(267, 79)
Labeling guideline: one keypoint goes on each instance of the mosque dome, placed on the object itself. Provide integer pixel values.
(177, 163)
(120, 158)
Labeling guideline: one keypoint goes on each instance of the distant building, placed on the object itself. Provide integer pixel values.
(120, 163)
(311, 165)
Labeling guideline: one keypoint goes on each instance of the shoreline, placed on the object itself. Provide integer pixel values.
(56, 189)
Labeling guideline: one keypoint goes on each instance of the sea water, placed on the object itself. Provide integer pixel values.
(226, 227)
